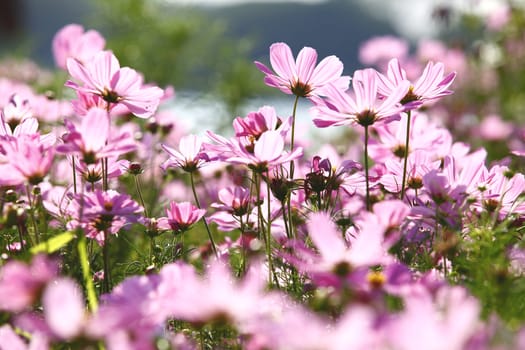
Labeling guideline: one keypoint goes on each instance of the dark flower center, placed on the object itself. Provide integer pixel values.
(301, 89)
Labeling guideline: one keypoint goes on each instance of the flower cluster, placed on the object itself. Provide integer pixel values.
(126, 233)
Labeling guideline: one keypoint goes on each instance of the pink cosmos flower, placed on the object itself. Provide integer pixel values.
(255, 123)
(389, 140)
(16, 111)
(419, 164)
(234, 199)
(302, 77)
(24, 159)
(267, 153)
(190, 156)
(104, 77)
(103, 211)
(431, 84)
(180, 216)
(365, 109)
(72, 42)
(92, 139)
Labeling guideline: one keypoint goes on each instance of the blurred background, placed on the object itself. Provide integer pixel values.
(205, 48)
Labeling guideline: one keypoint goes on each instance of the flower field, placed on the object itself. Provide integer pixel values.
(121, 229)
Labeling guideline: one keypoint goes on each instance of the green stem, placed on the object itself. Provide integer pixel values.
(292, 163)
(269, 236)
(32, 209)
(105, 258)
(214, 248)
(366, 170)
(407, 140)
(137, 186)
(86, 273)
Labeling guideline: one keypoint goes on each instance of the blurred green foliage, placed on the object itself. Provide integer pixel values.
(179, 46)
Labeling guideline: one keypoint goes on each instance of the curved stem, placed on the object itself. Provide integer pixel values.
(366, 171)
(407, 140)
(213, 247)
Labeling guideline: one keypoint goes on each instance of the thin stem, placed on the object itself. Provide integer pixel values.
(407, 140)
(137, 186)
(32, 214)
(285, 219)
(292, 140)
(214, 248)
(366, 170)
(105, 258)
(86, 273)
(151, 249)
(269, 236)
(74, 174)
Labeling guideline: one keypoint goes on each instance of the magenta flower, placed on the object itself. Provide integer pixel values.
(190, 156)
(91, 140)
(431, 84)
(365, 109)
(180, 216)
(255, 123)
(72, 42)
(104, 77)
(302, 77)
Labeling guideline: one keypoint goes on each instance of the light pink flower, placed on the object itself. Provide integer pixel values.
(104, 77)
(365, 109)
(92, 139)
(267, 153)
(302, 77)
(431, 84)
(190, 155)
(72, 42)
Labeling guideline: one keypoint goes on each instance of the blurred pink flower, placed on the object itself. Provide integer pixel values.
(379, 50)
(493, 128)
(302, 77)
(21, 284)
(72, 42)
(104, 77)
(64, 308)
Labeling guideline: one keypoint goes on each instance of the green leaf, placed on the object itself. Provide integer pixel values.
(53, 244)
